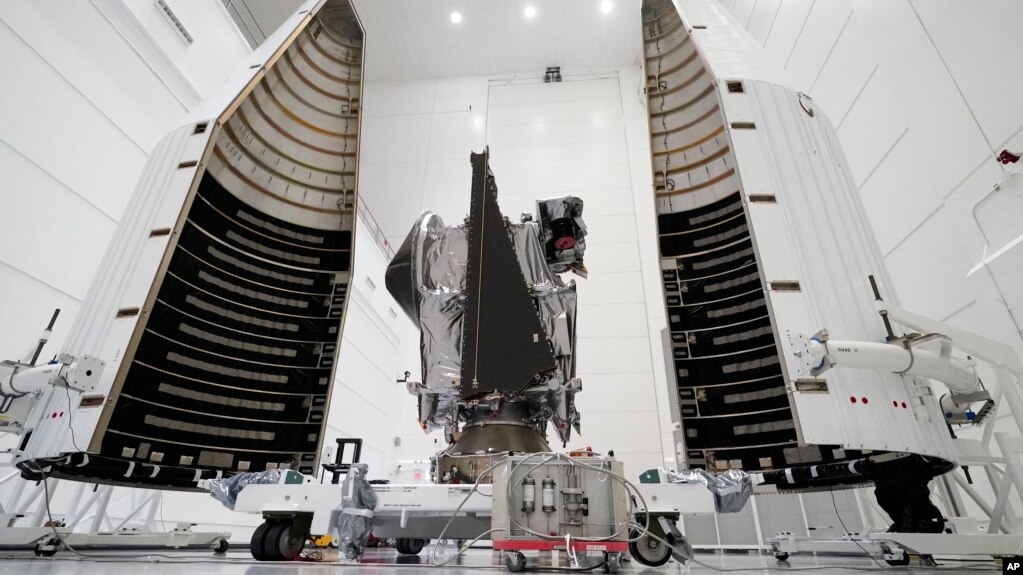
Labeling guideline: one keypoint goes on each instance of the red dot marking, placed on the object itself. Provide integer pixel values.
(54, 415)
(903, 405)
(62, 414)
(852, 399)
(895, 403)
(865, 401)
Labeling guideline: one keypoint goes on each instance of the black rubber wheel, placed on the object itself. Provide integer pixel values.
(781, 556)
(221, 546)
(515, 561)
(649, 551)
(414, 546)
(613, 563)
(281, 544)
(256, 543)
(409, 546)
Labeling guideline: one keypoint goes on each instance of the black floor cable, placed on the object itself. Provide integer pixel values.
(845, 529)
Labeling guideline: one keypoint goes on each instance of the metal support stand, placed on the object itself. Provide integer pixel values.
(896, 548)
(340, 467)
(963, 536)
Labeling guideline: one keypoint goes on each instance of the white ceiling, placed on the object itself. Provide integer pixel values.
(409, 39)
(412, 39)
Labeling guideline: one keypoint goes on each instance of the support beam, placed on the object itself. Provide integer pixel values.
(101, 508)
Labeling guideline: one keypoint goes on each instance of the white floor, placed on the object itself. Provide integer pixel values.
(386, 561)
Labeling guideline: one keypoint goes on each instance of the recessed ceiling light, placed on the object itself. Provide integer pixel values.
(605, 6)
(530, 11)
(456, 17)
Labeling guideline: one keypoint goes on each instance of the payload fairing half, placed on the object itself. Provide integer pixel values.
(220, 304)
(762, 238)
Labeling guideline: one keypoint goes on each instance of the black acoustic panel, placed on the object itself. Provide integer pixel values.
(763, 394)
(714, 238)
(759, 428)
(710, 214)
(743, 308)
(708, 264)
(231, 207)
(730, 338)
(729, 368)
(206, 244)
(221, 284)
(245, 237)
(187, 359)
(245, 346)
(501, 320)
(235, 400)
(193, 301)
(234, 367)
(754, 457)
(212, 431)
(721, 287)
(733, 401)
(89, 467)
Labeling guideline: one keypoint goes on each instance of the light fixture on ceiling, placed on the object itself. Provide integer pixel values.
(606, 6)
(530, 11)
(456, 17)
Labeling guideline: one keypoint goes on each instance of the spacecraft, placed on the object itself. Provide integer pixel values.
(497, 325)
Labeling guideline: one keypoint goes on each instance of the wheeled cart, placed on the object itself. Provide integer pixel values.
(515, 559)
(593, 504)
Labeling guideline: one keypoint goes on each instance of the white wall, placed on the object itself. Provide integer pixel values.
(366, 392)
(218, 44)
(87, 93)
(415, 147)
(549, 140)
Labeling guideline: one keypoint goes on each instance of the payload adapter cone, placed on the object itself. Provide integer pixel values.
(497, 325)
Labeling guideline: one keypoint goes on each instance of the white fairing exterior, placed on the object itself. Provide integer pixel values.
(156, 203)
(728, 49)
(816, 233)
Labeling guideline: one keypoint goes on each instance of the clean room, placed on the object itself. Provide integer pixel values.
(657, 286)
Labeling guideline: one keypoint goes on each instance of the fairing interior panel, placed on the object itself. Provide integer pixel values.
(731, 390)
